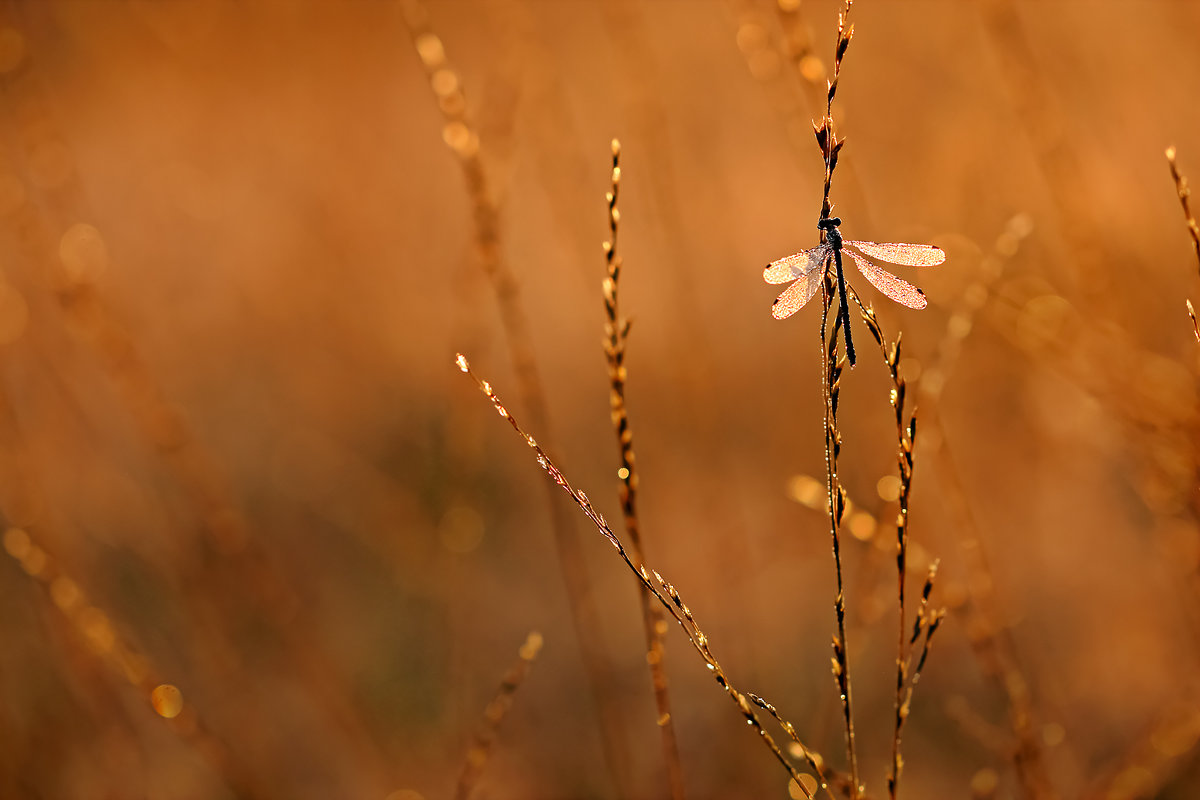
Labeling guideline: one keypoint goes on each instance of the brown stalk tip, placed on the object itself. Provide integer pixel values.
(822, 133)
(616, 148)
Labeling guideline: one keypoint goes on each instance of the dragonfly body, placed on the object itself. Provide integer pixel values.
(806, 272)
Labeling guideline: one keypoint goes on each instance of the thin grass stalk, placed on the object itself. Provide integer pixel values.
(832, 367)
(926, 621)
(830, 146)
(666, 594)
(905, 438)
(905, 441)
(462, 137)
(1184, 192)
(616, 331)
(485, 735)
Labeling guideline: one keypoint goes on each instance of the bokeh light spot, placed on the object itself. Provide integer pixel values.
(807, 491)
(888, 488)
(1053, 734)
(444, 82)
(34, 561)
(83, 253)
(984, 782)
(167, 700)
(97, 628)
(751, 37)
(532, 645)
(65, 593)
(16, 542)
(812, 68)
(861, 525)
(461, 139)
(431, 51)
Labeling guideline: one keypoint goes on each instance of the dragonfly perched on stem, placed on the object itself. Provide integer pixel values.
(808, 268)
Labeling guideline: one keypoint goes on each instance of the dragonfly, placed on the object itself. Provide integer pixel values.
(806, 270)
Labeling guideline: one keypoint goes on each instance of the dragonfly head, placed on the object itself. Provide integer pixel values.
(828, 223)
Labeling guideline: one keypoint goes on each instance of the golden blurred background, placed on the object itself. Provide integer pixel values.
(264, 540)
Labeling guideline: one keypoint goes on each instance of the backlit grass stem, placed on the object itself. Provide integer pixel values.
(461, 136)
(616, 329)
(668, 598)
(830, 146)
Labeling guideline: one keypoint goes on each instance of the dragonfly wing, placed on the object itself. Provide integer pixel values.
(795, 296)
(798, 265)
(899, 290)
(909, 255)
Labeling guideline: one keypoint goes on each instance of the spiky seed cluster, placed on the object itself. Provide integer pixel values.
(616, 331)
(927, 621)
(827, 140)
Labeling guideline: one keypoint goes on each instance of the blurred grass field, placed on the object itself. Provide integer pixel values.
(237, 259)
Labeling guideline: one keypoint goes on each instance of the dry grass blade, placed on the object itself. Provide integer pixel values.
(826, 137)
(461, 136)
(836, 507)
(906, 433)
(485, 736)
(832, 367)
(1183, 192)
(616, 329)
(663, 591)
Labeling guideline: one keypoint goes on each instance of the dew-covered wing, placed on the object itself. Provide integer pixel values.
(909, 255)
(899, 290)
(797, 265)
(795, 296)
